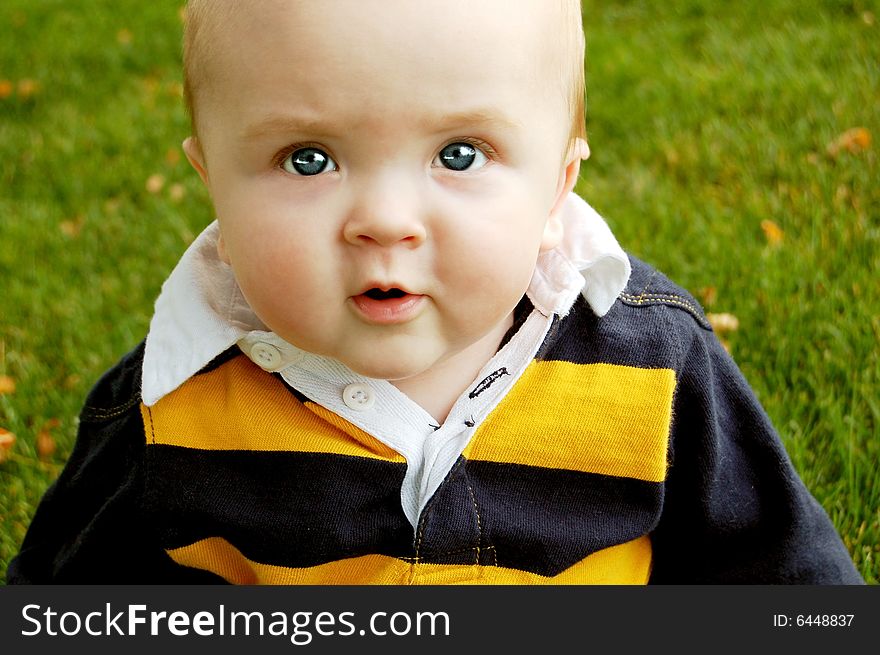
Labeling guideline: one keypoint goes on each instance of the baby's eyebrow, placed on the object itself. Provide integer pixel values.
(490, 117)
(285, 123)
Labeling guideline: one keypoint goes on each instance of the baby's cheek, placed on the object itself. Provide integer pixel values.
(499, 258)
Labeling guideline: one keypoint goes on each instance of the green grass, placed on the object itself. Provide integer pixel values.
(705, 119)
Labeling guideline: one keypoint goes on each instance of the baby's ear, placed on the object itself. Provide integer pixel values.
(196, 157)
(553, 230)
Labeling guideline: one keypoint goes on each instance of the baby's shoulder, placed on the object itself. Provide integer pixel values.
(648, 287)
(653, 324)
(118, 390)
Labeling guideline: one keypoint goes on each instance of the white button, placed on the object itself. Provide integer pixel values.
(359, 397)
(265, 355)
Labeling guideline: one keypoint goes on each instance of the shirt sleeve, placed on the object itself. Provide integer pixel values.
(734, 509)
(90, 526)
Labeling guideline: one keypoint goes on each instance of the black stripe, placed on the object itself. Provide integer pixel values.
(305, 509)
(545, 520)
(533, 519)
(287, 509)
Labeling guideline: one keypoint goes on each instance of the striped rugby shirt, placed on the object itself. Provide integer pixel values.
(610, 440)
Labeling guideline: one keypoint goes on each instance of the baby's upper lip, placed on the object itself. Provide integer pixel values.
(384, 286)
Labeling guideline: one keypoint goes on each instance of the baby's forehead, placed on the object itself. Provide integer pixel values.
(216, 27)
(350, 51)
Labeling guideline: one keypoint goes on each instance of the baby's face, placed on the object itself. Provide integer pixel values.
(386, 174)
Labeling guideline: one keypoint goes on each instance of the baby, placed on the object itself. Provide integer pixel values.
(406, 352)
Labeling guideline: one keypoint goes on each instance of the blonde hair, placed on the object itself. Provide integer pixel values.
(201, 22)
(573, 53)
(203, 18)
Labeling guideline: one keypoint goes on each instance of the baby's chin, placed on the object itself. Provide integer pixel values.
(393, 369)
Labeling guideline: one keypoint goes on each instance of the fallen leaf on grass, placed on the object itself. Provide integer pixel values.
(772, 231)
(45, 442)
(708, 295)
(176, 192)
(45, 445)
(7, 385)
(27, 88)
(72, 227)
(723, 322)
(155, 183)
(853, 140)
(7, 439)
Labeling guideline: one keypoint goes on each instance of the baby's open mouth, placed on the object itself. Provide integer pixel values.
(388, 306)
(378, 294)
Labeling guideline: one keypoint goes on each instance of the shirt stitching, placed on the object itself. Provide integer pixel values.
(100, 413)
(152, 427)
(479, 525)
(667, 299)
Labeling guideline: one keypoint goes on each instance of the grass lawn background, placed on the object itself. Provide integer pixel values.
(734, 147)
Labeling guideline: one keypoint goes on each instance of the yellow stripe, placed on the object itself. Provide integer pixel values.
(238, 406)
(597, 418)
(628, 563)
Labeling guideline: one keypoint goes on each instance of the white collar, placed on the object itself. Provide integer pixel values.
(201, 312)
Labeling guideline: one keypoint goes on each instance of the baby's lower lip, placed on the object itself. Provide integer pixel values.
(389, 310)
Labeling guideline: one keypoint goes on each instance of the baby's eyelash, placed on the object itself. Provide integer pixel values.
(285, 152)
(478, 143)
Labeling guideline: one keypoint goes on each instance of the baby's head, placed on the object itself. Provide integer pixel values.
(385, 174)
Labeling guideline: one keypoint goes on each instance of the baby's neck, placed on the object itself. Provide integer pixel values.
(437, 389)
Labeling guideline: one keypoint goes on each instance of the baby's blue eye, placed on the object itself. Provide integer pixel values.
(308, 161)
(461, 157)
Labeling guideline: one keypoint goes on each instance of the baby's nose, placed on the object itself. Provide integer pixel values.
(386, 214)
